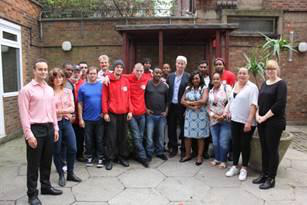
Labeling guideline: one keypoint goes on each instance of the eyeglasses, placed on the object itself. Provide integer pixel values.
(83, 67)
(203, 66)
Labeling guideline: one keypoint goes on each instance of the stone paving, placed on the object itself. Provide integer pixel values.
(164, 183)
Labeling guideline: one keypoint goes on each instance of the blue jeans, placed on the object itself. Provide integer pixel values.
(137, 127)
(221, 135)
(67, 134)
(155, 124)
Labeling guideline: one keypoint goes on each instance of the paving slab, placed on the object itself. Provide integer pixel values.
(176, 169)
(141, 178)
(139, 197)
(97, 189)
(232, 196)
(183, 189)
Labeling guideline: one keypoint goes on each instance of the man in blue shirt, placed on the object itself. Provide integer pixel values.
(89, 104)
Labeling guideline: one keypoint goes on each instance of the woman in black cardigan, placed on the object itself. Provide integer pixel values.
(271, 123)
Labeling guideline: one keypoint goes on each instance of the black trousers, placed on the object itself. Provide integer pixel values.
(79, 132)
(94, 138)
(40, 158)
(241, 142)
(175, 117)
(270, 133)
(117, 139)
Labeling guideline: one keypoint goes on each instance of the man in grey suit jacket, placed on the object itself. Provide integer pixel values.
(177, 82)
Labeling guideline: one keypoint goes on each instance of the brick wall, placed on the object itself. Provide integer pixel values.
(25, 13)
(288, 5)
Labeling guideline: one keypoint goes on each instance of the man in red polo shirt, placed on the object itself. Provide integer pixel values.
(226, 75)
(117, 110)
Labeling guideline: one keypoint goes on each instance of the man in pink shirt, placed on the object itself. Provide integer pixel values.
(39, 122)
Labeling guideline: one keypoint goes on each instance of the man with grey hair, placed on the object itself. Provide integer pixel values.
(104, 63)
(177, 82)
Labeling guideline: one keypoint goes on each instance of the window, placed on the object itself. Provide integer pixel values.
(248, 25)
(10, 58)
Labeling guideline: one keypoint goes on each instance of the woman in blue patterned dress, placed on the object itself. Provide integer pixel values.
(196, 124)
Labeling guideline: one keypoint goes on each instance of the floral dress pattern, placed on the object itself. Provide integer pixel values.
(196, 123)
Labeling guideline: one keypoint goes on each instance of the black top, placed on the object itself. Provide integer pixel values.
(156, 97)
(273, 97)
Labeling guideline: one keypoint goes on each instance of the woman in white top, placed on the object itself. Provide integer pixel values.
(242, 109)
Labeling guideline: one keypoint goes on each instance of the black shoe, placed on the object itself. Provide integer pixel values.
(259, 180)
(72, 177)
(173, 153)
(184, 159)
(269, 183)
(108, 165)
(162, 156)
(51, 191)
(144, 162)
(34, 201)
(62, 180)
(123, 162)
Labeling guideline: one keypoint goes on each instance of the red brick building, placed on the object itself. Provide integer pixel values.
(197, 29)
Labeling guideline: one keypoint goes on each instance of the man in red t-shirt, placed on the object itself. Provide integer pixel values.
(117, 110)
(226, 75)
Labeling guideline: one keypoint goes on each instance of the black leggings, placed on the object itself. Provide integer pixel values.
(241, 143)
(270, 133)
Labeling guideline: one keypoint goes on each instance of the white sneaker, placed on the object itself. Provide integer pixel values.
(243, 175)
(232, 171)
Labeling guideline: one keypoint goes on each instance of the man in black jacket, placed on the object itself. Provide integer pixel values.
(177, 82)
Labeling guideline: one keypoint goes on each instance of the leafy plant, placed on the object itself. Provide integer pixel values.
(275, 46)
(255, 63)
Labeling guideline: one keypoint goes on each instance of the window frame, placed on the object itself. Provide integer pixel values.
(16, 30)
(254, 18)
(265, 14)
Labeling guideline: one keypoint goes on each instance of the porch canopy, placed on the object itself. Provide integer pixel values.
(215, 38)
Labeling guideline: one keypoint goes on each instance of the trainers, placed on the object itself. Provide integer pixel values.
(243, 174)
(89, 162)
(99, 163)
(232, 171)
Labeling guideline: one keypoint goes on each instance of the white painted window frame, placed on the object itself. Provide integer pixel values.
(16, 30)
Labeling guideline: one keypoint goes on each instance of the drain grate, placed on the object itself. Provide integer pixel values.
(299, 141)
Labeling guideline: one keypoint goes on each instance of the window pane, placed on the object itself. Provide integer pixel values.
(10, 68)
(9, 36)
(254, 24)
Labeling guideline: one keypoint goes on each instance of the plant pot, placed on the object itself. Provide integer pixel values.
(255, 161)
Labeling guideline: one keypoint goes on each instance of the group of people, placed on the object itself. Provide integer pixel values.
(84, 113)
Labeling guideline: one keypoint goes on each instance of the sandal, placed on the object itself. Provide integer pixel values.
(214, 163)
(222, 165)
(199, 161)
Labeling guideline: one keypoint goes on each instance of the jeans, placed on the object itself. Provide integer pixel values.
(137, 127)
(155, 124)
(40, 158)
(67, 134)
(94, 131)
(221, 134)
(79, 132)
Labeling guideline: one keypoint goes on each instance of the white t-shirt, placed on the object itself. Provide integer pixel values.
(240, 105)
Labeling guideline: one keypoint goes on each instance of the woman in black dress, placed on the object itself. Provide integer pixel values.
(271, 123)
